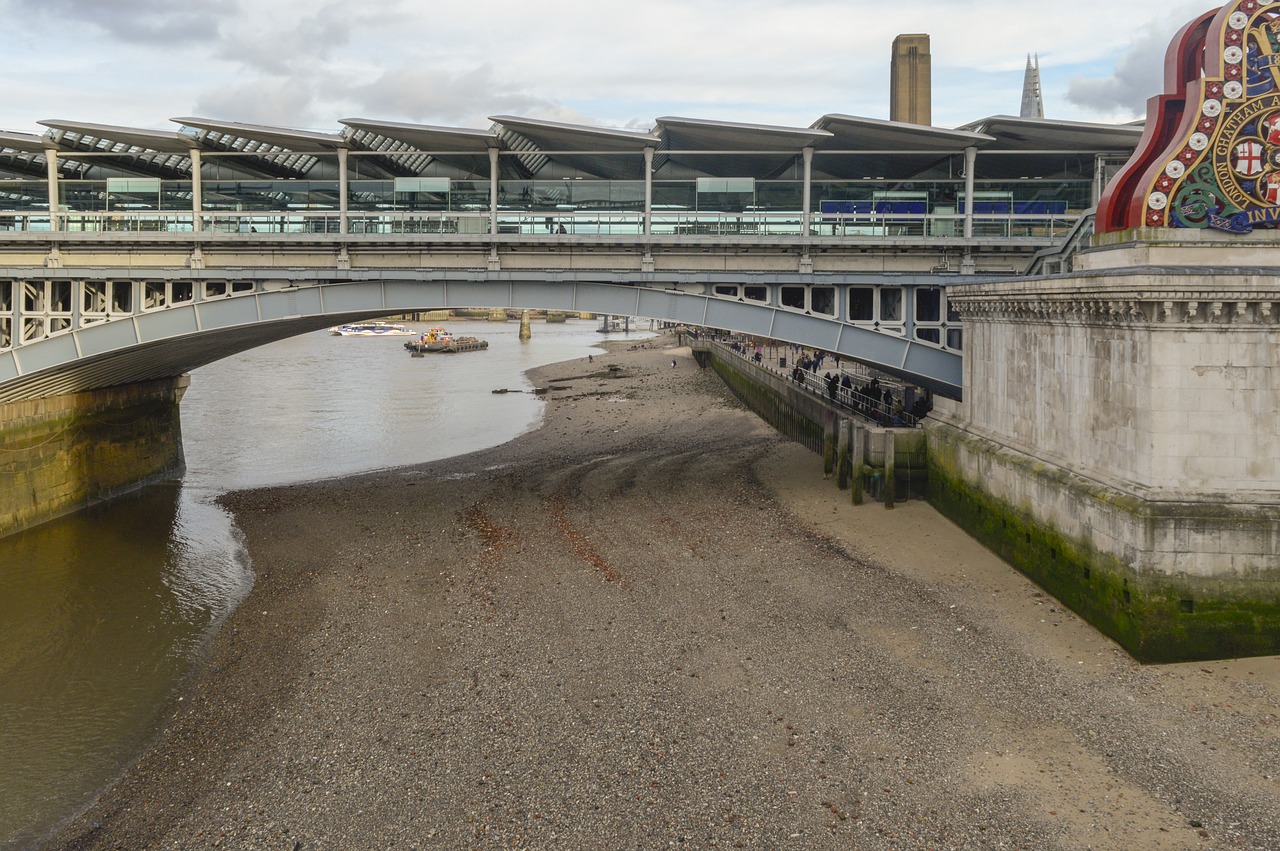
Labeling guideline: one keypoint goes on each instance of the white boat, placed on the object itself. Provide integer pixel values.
(372, 329)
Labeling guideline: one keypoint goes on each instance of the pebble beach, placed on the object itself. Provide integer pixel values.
(652, 623)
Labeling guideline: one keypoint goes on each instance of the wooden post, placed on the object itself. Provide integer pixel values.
(828, 444)
(843, 455)
(858, 460)
(889, 473)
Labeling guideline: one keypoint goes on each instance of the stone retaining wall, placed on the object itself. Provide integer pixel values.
(1117, 443)
(60, 454)
(813, 422)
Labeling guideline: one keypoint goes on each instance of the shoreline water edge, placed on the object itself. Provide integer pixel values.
(650, 621)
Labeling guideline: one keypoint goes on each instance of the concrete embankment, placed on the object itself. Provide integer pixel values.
(60, 454)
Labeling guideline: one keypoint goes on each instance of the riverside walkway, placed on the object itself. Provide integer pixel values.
(853, 397)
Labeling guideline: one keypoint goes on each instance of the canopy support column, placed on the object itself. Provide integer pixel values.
(493, 191)
(343, 194)
(197, 193)
(806, 215)
(970, 157)
(648, 191)
(51, 173)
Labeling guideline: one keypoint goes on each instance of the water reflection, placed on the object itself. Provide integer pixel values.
(99, 616)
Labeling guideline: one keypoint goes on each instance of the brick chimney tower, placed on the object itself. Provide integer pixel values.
(909, 80)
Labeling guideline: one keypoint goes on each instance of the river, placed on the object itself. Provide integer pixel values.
(103, 613)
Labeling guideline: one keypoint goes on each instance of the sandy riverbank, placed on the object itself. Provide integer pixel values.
(650, 623)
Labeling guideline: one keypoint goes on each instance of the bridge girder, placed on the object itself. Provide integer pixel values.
(177, 339)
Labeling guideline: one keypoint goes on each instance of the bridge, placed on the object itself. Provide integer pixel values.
(131, 307)
(138, 254)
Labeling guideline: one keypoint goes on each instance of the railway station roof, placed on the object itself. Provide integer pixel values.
(24, 154)
(132, 150)
(846, 147)
(158, 141)
(581, 148)
(280, 137)
(886, 147)
(11, 140)
(555, 135)
(401, 147)
(426, 137)
(1045, 134)
(730, 148)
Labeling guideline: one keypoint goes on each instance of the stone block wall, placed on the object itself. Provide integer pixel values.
(1121, 427)
(63, 453)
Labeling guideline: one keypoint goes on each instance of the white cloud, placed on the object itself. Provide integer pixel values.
(1138, 74)
(282, 101)
(130, 21)
(772, 61)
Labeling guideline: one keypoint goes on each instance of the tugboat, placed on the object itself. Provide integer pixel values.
(440, 340)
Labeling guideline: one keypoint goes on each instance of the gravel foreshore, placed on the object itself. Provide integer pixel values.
(651, 623)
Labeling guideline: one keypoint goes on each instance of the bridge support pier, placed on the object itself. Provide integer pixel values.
(60, 454)
(1117, 443)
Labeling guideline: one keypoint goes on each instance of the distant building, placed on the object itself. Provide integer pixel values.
(909, 80)
(1032, 102)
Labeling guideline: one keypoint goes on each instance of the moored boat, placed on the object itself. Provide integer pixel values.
(440, 340)
(372, 329)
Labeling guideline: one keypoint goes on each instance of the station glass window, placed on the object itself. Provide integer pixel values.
(928, 304)
(891, 304)
(862, 301)
(823, 300)
(793, 297)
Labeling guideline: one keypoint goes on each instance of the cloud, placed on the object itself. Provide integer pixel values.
(434, 96)
(1138, 75)
(275, 101)
(289, 43)
(609, 62)
(135, 21)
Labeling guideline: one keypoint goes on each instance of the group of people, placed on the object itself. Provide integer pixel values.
(872, 400)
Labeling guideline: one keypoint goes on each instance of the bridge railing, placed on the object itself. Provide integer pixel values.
(1046, 228)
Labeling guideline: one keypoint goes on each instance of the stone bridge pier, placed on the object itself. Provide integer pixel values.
(63, 453)
(1118, 439)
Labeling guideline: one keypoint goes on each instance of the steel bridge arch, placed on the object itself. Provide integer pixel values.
(180, 338)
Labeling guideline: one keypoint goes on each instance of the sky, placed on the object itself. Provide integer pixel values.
(306, 65)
